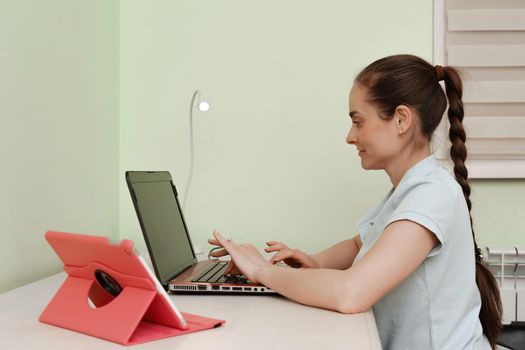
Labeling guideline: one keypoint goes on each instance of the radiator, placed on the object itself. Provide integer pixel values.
(507, 264)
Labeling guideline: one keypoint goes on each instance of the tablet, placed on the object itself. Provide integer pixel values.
(112, 266)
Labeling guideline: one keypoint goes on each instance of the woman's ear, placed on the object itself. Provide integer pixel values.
(403, 118)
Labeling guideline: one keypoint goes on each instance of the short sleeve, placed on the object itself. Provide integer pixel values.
(365, 224)
(430, 203)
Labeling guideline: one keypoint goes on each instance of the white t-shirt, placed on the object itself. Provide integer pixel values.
(437, 306)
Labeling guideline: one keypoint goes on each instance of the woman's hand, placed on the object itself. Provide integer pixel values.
(245, 257)
(292, 257)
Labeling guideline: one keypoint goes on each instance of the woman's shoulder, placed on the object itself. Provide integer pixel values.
(438, 185)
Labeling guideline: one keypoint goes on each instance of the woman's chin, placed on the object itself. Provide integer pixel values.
(367, 165)
(364, 164)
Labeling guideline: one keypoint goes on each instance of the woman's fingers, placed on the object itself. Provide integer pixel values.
(217, 241)
(273, 243)
(231, 269)
(274, 246)
(219, 238)
(292, 258)
(228, 268)
(226, 243)
(213, 241)
(219, 252)
(245, 258)
(229, 247)
(283, 254)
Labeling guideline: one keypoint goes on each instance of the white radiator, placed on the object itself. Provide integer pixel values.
(507, 264)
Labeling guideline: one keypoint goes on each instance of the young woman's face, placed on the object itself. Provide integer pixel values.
(376, 139)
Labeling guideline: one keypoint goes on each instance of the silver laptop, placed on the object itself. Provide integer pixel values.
(169, 245)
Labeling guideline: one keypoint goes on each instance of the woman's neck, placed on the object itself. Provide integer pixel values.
(404, 161)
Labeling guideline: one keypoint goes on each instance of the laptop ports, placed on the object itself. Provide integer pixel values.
(215, 287)
(225, 288)
(202, 287)
(236, 288)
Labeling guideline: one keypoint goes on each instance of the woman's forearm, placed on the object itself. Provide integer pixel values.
(339, 256)
(324, 288)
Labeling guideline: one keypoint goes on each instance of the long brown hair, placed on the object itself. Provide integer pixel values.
(411, 81)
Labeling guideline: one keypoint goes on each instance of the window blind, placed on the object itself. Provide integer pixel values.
(485, 39)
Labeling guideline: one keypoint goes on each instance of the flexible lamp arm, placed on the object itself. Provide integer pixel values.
(203, 106)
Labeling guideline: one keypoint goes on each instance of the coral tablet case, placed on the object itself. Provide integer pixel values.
(137, 315)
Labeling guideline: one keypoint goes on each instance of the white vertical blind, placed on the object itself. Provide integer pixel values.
(485, 39)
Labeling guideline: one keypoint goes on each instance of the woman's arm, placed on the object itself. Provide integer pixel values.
(401, 249)
(339, 256)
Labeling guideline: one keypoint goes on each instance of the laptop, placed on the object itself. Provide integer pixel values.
(169, 244)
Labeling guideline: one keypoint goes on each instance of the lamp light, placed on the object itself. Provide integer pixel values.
(203, 106)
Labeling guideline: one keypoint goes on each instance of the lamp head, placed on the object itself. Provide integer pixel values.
(203, 105)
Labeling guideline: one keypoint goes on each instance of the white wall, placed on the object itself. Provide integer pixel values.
(59, 128)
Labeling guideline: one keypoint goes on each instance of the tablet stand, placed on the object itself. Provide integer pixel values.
(138, 314)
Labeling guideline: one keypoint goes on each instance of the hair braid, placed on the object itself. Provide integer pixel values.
(458, 150)
(491, 308)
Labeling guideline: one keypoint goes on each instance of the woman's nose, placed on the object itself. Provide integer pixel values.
(350, 138)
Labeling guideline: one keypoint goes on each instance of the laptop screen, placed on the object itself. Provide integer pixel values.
(162, 223)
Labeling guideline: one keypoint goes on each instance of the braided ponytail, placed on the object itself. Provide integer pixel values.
(491, 308)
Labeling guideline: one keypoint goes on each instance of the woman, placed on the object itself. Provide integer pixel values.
(415, 260)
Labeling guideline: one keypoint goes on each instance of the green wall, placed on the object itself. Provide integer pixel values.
(59, 130)
(94, 88)
(270, 161)
(498, 210)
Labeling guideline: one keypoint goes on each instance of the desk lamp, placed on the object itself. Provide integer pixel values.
(203, 106)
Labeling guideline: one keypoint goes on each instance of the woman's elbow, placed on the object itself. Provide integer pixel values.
(351, 302)
(348, 308)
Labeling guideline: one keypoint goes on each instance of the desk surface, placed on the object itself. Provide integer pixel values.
(255, 322)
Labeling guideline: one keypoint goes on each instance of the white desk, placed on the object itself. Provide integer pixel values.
(253, 322)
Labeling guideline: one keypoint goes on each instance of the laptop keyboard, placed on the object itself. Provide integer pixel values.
(215, 274)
